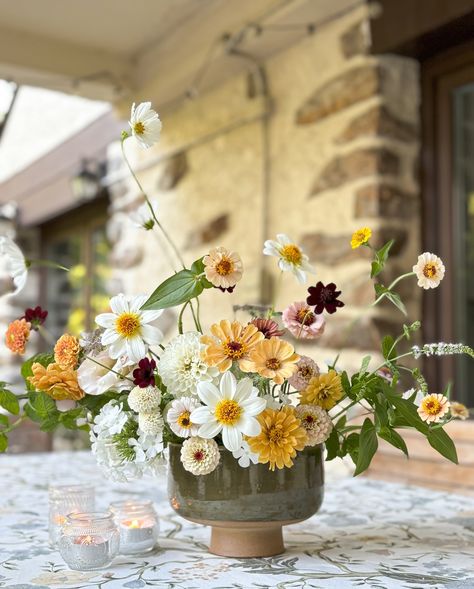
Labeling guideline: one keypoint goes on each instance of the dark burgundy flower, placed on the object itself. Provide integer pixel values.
(143, 376)
(35, 316)
(324, 297)
(228, 289)
(268, 327)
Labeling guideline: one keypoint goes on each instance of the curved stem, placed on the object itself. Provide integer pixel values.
(394, 283)
(13, 425)
(46, 263)
(180, 318)
(150, 206)
(109, 369)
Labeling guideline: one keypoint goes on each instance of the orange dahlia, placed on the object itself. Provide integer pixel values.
(59, 383)
(66, 351)
(17, 335)
(273, 358)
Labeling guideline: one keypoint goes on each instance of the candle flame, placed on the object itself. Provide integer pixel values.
(135, 524)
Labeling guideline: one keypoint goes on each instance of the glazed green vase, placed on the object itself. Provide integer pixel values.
(247, 507)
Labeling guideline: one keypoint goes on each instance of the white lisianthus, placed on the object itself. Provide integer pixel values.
(181, 367)
(144, 400)
(200, 456)
(245, 456)
(110, 420)
(145, 124)
(98, 374)
(291, 257)
(13, 263)
(429, 270)
(127, 332)
(178, 417)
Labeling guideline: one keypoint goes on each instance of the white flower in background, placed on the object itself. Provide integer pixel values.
(144, 400)
(13, 263)
(316, 422)
(433, 408)
(110, 420)
(148, 447)
(291, 257)
(418, 397)
(111, 463)
(178, 417)
(151, 423)
(200, 456)
(245, 456)
(459, 411)
(127, 332)
(230, 409)
(145, 124)
(95, 375)
(142, 216)
(429, 270)
(181, 366)
(271, 402)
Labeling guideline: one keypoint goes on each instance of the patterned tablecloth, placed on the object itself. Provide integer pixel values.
(368, 534)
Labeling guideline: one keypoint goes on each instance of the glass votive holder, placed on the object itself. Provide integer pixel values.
(66, 499)
(89, 541)
(138, 524)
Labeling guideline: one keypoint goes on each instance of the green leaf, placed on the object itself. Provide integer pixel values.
(351, 447)
(341, 422)
(3, 442)
(406, 410)
(43, 405)
(365, 364)
(4, 419)
(49, 424)
(198, 269)
(9, 401)
(381, 257)
(394, 298)
(175, 290)
(332, 445)
(388, 349)
(368, 445)
(442, 443)
(394, 438)
(31, 413)
(43, 359)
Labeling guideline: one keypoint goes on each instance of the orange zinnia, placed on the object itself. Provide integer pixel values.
(57, 382)
(273, 358)
(17, 335)
(66, 351)
(229, 342)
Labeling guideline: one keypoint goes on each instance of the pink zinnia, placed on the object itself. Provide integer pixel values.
(302, 322)
(306, 368)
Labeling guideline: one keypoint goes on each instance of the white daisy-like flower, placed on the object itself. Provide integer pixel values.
(110, 420)
(145, 124)
(142, 216)
(230, 409)
(13, 263)
(200, 456)
(144, 400)
(245, 456)
(429, 270)
(291, 257)
(98, 374)
(151, 423)
(181, 366)
(316, 422)
(178, 417)
(127, 332)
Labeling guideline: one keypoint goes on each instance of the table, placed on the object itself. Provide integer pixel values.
(369, 534)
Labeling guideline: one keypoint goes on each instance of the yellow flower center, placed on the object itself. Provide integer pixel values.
(228, 412)
(275, 434)
(292, 254)
(305, 316)
(234, 350)
(429, 270)
(432, 406)
(139, 128)
(273, 364)
(184, 420)
(128, 324)
(224, 267)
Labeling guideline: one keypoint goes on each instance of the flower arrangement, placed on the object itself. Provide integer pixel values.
(240, 385)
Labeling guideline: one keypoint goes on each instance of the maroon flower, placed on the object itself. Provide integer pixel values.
(143, 376)
(268, 327)
(324, 297)
(228, 289)
(36, 317)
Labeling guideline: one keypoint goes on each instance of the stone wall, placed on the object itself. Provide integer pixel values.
(334, 147)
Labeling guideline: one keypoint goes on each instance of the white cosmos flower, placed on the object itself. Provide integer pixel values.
(230, 409)
(178, 417)
(13, 263)
(95, 375)
(142, 217)
(245, 456)
(291, 257)
(127, 332)
(429, 270)
(145, 124)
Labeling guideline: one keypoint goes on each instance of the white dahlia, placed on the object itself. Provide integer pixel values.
(429, 270)
(181, 366)
(178, 417)
(144, 400)
(151, 423)
(200, 456)
(316, 422)
(145, 124)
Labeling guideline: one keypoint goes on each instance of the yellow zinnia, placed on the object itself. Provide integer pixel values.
(273, 358)
(229, 342)
(59, 383)
(280, 437)
(360, 237)
(324, 390)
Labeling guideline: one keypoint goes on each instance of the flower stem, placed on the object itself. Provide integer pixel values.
(13, 425)
(394, 283)
(109, 369)
(150, 206)
(180, 317)
(46, 263)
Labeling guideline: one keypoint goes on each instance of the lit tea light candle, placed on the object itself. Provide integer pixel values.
(66, 499)
(90, 551)
(138, 525)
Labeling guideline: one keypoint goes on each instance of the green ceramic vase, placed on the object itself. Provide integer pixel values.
(247, 507)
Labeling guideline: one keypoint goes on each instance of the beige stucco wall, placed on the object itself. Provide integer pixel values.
(227, 174)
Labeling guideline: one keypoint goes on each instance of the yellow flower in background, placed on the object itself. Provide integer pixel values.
(433, 407)
(459, 411)
(66, 351)
(324, 390)
(57, 382)
(274, 359)
(360, 237)
(282, 434)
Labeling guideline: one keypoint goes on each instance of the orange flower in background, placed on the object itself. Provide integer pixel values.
(66, 351)
(229, 342)
(17, 335)
(282, 434)
(273, 358)
(59, 383)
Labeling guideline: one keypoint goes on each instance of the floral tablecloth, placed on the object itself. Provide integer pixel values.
(368, 534)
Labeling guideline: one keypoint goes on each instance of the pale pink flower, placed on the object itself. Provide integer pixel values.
(306, 368)
(302, 322)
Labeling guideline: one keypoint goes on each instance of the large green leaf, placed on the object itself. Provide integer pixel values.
(442, 443)
(175, 290)
(394, 438)
(368, 445)
(9, 401)
(332, 445)
(380, 258)
(43, 405)
(406, 410)
(3, 442)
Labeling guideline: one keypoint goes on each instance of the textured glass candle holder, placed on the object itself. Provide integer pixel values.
(66, 499)
(138, 525)
(89, 541)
